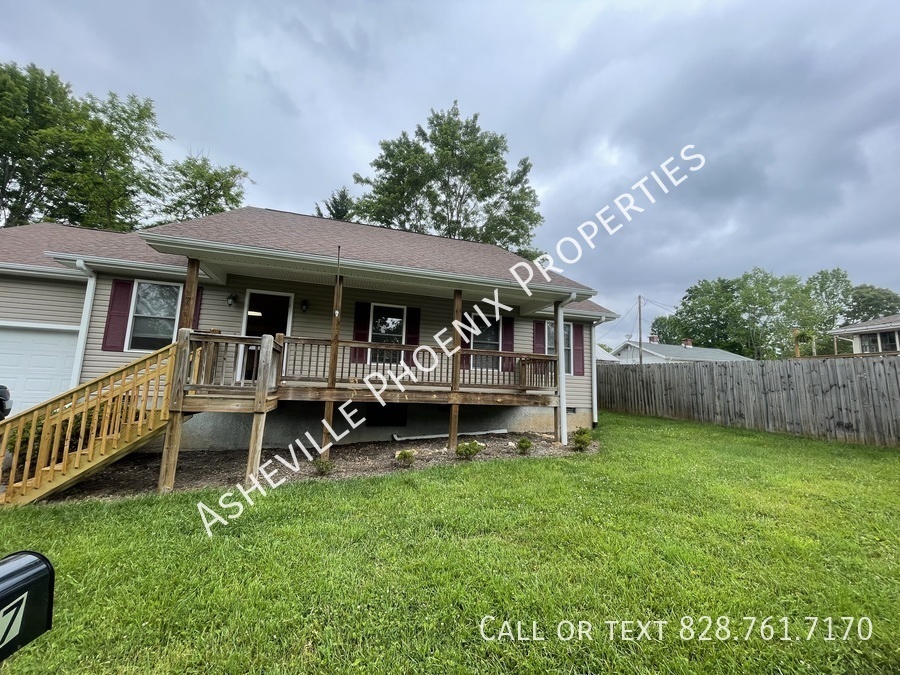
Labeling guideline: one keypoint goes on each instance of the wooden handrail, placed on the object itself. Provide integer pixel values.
(69, 432)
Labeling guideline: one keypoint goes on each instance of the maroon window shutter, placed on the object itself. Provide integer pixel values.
(361, 314)
(117, 315)
(540, 338)
(195, 323)
(507, 343)
(578, 348)
(413, 321)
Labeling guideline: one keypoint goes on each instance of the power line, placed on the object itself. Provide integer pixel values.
(618, 321)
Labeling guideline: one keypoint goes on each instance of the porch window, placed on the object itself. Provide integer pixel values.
(489, 340)
(567, 342)
(387, 327)
(869, 342)
(889, 341)
(154, 312)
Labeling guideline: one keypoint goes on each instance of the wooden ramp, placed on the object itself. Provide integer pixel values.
(52, 446)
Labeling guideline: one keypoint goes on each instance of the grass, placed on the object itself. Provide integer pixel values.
(393, 574)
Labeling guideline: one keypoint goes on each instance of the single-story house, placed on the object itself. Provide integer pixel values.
(339, 301)
(872, 337)
(655, 352)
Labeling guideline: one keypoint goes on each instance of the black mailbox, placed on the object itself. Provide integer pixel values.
(26, 600)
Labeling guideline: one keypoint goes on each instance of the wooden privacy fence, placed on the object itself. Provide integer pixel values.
(850, 399)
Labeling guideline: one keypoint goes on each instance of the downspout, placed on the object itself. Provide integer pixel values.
(594, 403)
(561, 367)
(86, 311)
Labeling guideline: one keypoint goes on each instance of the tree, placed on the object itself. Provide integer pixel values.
(869, 302)
(39, 119)
(94, 162)
(451, 178)
(195, 187)
(116, 174)
(339, 205)
(709, 315)
(668, 329)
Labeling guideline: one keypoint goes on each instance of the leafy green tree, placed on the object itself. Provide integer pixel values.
(39, 119)
(709, 315)
(338, 206)
(668, 329)
(451, 178)
(116, 175)
(195, 187)
(869, 302)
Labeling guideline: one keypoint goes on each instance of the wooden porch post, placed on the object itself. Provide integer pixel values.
(454, 374)
(263, 377)
(333, 358)
(189, 297)
(172, 443)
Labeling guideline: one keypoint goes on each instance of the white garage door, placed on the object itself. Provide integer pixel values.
(36, 364)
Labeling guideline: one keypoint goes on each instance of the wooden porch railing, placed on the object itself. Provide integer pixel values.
(223, 362)
(306, 360)
(79, 429)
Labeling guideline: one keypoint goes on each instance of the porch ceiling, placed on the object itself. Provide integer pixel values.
(220, 266)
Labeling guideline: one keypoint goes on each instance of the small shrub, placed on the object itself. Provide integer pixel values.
(405, 458)
(524, 445)
(469, 450)
(581, 440)
(323, 466)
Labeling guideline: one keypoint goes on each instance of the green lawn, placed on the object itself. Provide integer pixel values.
(394, 574)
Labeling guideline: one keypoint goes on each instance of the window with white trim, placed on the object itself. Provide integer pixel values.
(387, 326)
(567, 342)
(489, 339)
(154, 315)
(869, 343)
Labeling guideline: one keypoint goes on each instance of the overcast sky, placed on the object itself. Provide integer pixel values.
(794, 105)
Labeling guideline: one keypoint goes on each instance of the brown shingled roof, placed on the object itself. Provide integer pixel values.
(26, 244)
(309, 235)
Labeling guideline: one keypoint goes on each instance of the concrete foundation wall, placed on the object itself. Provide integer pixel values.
(292, 419)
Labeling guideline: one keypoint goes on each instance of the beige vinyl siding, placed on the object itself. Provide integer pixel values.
(96, 361)
(33, 300)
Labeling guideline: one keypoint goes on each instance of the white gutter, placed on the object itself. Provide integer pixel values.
(86, 311)
(561, 366)
(38, 271)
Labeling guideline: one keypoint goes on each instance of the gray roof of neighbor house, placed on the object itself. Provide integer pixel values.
(258, 228)
(26, 246)
(682, 353)
(884, 322)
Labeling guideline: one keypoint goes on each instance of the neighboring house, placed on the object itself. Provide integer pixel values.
(872, 337)
(654, 352)
(75, 304)
(603, 356)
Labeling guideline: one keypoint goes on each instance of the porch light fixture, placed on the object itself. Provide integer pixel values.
(231, 299)
(304, 305)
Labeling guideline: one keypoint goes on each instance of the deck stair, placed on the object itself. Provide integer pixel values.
(55, 444)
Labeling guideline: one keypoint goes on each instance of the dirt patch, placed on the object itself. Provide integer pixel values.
(138, 473)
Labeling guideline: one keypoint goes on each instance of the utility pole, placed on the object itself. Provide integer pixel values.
(640, 333)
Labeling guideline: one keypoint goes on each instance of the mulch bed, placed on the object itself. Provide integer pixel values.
(137, 474)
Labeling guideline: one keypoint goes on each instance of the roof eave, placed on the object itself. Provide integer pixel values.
(40, 271)
(103, 264)
(178, 245)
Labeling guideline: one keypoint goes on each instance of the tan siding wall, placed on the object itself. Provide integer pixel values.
(41, 300)
(437, 313)
(96, 361)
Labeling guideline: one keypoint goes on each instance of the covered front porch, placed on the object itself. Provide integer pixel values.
(241, 373)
